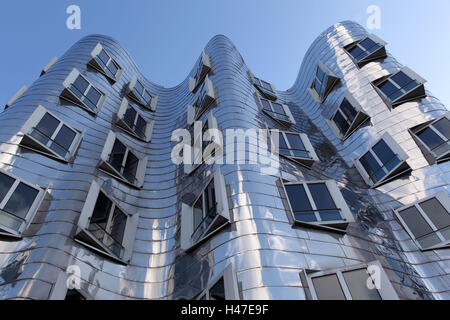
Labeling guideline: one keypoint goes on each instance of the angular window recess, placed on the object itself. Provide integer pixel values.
(366, 50)
(104, 227)
(223, 287)
(19, 202)
(401, 87)
(203, 68)
(277, 111)
(139, 94)
(317, 204)
(296, 146)
(208, 214)
(122, 163)
(81, 92)
(428, 221)
(48, 135)
(324, 82)
(366, 281)
(433, 138)
(16, 96)
(129, 119)
(201, 145)
(383, 162)
(266, 89)
(206, 96)
(61, 292)
(102, 62)
(49, 65)
(348, 118)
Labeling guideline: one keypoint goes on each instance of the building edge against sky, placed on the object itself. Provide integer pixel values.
(359, 207)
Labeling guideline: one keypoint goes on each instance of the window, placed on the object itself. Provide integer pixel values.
(206, 215)
(265, 88)
(428, 221)
(203, 68)
(359, 282)
(49, 65)
(277, 111)
(383, 162)
(296, 146)
(122, 163)
(206, 96)
(19, 202)
(433, 138)
(317, 204)
(223, 287)
(106, 228)
(48, 135)
(139, 94)
(348, 118)
(366, 50)
(16, 96)
(129, 119)
(60, 290)
(80, 91)
(323, 83)
(206, 147)
(401, 87)
(102, 62)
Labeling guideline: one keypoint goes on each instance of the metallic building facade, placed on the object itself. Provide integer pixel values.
(266, 252)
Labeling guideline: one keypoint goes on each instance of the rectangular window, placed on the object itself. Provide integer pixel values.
(104, 227)
(133, 122)
(366, 50)
(296, 146)
(19, 202)
(119, 161)
(203, 68)
(266, 89)
(139, 94)
(383, 162)
(103, 62)
(401, 87)
(277, 111)
(434, 138)
(348, 118)
(205, 97)
(46, 134)
(323, 83)
(223, 287)
(80, 91)
(317, 203)
(358, 282)
(428, 221)
(206, 215)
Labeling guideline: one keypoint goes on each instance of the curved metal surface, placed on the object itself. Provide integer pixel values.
(266, 252)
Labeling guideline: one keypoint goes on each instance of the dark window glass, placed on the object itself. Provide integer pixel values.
(324, 202)
(266, 85)
(217, 292)
(93, 95)
(320, 75)
(130, 114)
(210, 197)
(278, 108)
(74, 295)
(81, 84)
(101, 212)
(140, 125)
(113, 68)
(436, 212)
(430, 138)
(443, 126)
(282, 141)
(139, 88)
(300, 204)
(64, 139)
(131, 166)
(415, 222)
(48, 125)
(356, 281)
(348, 110)
(367, 43)
(103, 57)
(341, 123)
(328, 288)
(21, 200)
(388, 88)
(6, 183)
(385, 154)
(117, 154)
(266, 105)
(295, 141)
(357, 52)
(118, 224)
(401, 79)
(147, 97)
(371, 166)
(198, 213)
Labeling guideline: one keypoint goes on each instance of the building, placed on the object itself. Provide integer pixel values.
(359, 207)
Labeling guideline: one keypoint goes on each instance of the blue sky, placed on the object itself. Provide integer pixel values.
(166, 37)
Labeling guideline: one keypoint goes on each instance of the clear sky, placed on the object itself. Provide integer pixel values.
(165, 37)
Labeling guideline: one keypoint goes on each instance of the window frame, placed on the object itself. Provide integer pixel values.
(16, 96)
(429, 154)
(286, 109)
(339, 226)
(194, 112)
(392, 174)
(386, 291)
(306, 162)
(331, 82)
(97, 66)
(360, 119)
(6, 231)
(122, 123)
(222, 219)
(420, 88)
(107, 168)
(230, 282)
(71, 97)
(33, 144)
(48, 66)
(85, 237)
(204, 67)
(151, 105)
(268, 94)
(378, 54)
(444, 200)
